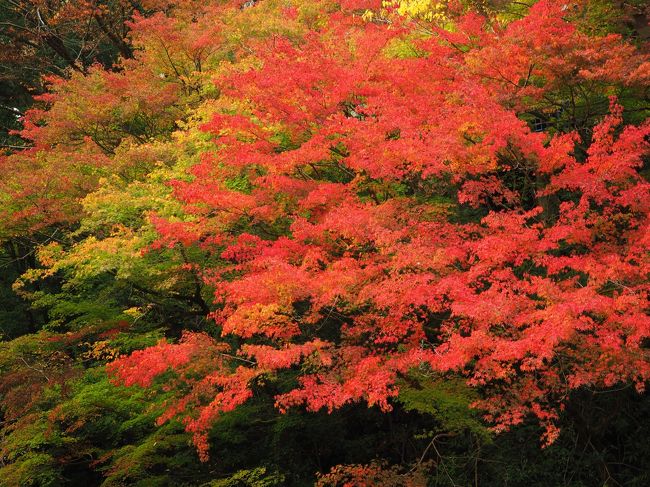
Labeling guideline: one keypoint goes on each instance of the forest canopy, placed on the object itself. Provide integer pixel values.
(335, 243)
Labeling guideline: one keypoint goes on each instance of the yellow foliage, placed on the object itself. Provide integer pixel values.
(429, 10)
(100, 350)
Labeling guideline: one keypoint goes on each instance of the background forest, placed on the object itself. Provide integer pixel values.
(354, 242)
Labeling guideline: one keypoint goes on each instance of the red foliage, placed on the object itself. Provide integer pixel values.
(341, 260)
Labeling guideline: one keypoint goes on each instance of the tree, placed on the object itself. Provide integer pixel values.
(392, 212)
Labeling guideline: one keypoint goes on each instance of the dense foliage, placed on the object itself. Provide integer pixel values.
(348, 242)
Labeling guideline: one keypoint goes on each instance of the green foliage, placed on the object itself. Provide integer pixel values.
(34, 470)
(447, 400)
(257, 477)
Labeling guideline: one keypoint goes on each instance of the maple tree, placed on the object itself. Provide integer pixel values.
(64, 34)
(45, 38)
(336, 259)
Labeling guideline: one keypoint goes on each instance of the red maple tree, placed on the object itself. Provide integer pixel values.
(398, 212)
